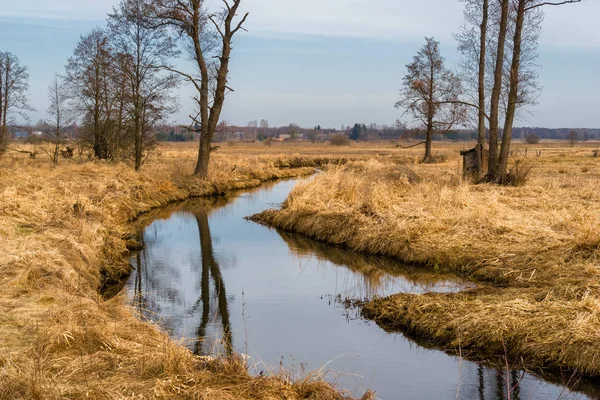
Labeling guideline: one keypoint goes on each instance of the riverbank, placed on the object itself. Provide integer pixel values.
(65, 227)
(535, 249)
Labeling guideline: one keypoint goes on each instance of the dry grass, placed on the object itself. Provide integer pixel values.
(62, 228)
(536, 248)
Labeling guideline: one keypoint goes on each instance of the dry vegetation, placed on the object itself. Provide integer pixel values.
(62, 229)
(535, 249)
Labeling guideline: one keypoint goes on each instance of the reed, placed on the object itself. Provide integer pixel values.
(63, 229)
(533, 249)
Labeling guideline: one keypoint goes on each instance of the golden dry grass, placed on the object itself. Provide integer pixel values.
(536, 249)
(62, 229)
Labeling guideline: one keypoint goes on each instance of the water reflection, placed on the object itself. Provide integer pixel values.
(378, 276)
(200, 255)
(210, 266)
(158, 283)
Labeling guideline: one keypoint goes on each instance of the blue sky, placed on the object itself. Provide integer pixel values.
(327, 62)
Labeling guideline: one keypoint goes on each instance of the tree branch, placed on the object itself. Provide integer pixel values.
(551, 3)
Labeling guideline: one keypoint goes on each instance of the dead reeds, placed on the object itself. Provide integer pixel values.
(535, 246)
(65, 227)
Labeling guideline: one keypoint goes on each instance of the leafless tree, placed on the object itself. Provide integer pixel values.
(92, 76)
(478, 42)
(431, 94)
(61, 115)
(138, 49)
(523, 10)
(208, 37)
(473, 44)
(14, 83)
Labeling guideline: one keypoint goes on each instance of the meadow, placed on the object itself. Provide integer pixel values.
(65, 231)
(533, 250)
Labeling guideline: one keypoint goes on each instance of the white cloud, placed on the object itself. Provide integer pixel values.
(407, 20)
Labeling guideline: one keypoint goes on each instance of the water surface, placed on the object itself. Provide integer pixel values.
(223, 284)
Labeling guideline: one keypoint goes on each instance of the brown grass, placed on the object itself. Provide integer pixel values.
(536, 248)
(62, 228)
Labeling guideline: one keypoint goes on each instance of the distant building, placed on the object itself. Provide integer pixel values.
(21, 135)
(37, 133)
(285, 137)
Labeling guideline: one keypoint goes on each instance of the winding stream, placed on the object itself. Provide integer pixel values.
(221, 284)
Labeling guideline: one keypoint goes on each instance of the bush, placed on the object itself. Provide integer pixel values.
(340, 140)
(268, 142)
(532, 139)
(518, 175)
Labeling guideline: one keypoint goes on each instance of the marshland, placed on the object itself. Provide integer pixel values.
(154, 246)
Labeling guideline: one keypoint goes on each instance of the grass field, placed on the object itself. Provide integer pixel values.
(64, 230)
(534, 249)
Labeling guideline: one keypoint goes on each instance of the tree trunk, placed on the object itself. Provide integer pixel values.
(481, 87)
(429, 141)
(513, 95)
(203, 156)
(497, 91)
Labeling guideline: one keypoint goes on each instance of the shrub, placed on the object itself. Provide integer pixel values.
(518, 175)
(268, 142)
(340, 140)
(532, 138)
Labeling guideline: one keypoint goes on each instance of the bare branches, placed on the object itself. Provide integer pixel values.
(210, 50)
(431, 93)
(551, 3)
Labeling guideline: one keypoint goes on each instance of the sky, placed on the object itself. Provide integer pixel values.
(327, 62)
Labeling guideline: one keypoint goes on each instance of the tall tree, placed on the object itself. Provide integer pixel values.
(473, 44)
(138, 49)
(208, 37)
(431, 94)
(14, 83)
(497, 88)
(524, 10)
(61, 114)
(90, 76)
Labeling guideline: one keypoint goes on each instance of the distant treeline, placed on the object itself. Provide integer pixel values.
(361, 132)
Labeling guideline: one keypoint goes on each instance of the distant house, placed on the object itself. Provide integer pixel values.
(21, 135)
(285, 137)
(37, 133)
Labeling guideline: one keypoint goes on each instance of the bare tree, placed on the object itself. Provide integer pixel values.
(14, 83)
(138, 50)
(573, 137)
(61, 115)
(473, 44)
(208, 37)
(523, 9)
(478, 43)
(91, 76)
(431, 94)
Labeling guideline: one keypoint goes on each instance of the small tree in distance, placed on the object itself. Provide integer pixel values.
(532, 138)
(431, 94)
(573, 137)
(61, 115)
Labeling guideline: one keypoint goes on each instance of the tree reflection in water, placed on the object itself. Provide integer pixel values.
(152, 294)
(210, 266)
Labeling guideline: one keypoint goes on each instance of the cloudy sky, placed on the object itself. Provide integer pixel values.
(328, 62)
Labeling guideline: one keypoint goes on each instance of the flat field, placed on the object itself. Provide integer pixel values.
(534, 250)
(65, 231)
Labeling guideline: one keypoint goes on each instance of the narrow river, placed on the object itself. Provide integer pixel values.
(220, 284)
